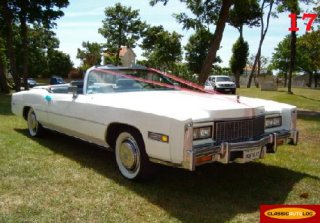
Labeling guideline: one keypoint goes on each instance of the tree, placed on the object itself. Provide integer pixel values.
(90, 55)
(121, 27)
(262, 63)
(59, 63)
(3, 61)
(41, 12)
(240, 53)
(294, 9)
(308, 55)
(244, 12)
(282, 5)
(161, 48)
(197, 48)
(206, 13)
(266, 4)
(41, 41)
(7, 13)
(27, 12)
(3, 64)
(281, 57)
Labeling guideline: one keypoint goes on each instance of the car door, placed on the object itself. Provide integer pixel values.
(73, 116)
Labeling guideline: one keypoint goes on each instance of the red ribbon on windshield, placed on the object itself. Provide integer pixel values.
(183, 81)
(119, 73)
(170, 76)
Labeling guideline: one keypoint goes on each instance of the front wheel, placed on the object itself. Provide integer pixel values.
(35, 128)
(131, 157)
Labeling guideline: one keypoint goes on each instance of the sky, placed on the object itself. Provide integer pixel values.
(83, 18)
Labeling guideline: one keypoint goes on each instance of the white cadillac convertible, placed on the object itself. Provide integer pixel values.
(146, 116)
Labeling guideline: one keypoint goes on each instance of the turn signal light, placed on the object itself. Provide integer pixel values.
(203, 159)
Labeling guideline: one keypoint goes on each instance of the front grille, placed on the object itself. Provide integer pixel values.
(226, 85)
(238, 130)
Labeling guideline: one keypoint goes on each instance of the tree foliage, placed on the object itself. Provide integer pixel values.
(3, 64)
(238, 61)
(22, 13)
(197, 49)
(59, 63)
(90, 55)
(121, 27)
(244, 13)
(161, 48)
(307, 55)
(205, 13)
(281, 57)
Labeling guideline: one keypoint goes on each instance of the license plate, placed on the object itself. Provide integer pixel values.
(227, 89)
(251, 154)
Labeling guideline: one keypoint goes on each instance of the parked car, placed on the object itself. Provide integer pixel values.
(221, 84)
(31, 82)
(145, 118)
(56, 80)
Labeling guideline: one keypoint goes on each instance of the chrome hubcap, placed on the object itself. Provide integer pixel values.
(128, 154)
(33, 123)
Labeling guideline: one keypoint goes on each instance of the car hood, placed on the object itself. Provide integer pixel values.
(185, 105)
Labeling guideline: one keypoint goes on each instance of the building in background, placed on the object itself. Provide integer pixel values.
(127, 57)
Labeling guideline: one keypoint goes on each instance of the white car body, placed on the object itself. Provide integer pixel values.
(166, 120)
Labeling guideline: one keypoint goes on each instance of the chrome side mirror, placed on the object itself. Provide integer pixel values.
(74, 91)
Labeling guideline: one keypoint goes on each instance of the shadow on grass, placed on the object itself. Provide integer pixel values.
(309, 115)
(308, 98)
(5, 101)
(213, 193)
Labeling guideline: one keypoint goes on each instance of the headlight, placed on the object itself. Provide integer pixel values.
(273, 122)
(202, 132)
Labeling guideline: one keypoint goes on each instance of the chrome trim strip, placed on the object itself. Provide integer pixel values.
(222, 152)
(77, 118)
(188, 154)
(77, 135)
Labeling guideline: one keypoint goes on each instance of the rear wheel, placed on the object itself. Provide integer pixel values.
(35, 128)
(131, 157)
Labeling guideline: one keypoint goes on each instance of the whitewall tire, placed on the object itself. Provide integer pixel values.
(34, 127)
(131, 157)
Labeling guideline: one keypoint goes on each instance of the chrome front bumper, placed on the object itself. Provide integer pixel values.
(235, 152)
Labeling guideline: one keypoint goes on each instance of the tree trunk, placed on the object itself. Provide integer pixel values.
(215, 43)
(119, 46)
(7, 15)
(25, 45)
(285, 79)
(237, 79)
(310, 79)
(241, 31)
(315, 80)
(3, 79)
(262, 36)
(292, 58)
(118, 56)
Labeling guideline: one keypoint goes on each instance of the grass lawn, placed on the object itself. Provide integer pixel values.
(61, 179)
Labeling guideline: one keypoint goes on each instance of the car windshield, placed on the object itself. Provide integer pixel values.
(125, 80)
(220, 79)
